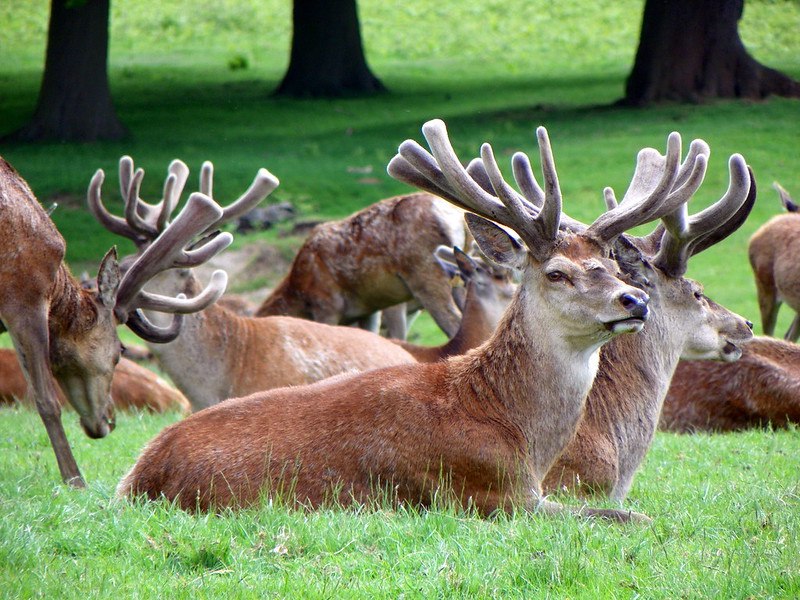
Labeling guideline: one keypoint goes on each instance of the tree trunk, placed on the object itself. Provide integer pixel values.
(690, 50)
(74, 100)
(327, 58)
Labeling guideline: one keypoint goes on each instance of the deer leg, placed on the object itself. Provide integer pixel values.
(31, 341)
(549, 507)
(394, 319)
(794, 330)
(371, 323)
(768, 304)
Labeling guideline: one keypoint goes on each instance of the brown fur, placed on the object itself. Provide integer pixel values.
(773, 251)
(490, 422)
(57, 328)
(381, 256)
(220, 354)
(133, 387)
(762, 388)
(488, 292)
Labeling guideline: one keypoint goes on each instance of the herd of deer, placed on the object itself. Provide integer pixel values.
(557, 381)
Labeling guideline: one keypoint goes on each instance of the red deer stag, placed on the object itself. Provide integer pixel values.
(489, 290)
(132, 387)
(486, 425)
(220, 354)
(65, 333)
(623, 407)
(762, 388)
(347, 271)
(774, 250)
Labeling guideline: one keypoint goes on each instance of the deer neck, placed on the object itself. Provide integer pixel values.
(476, 327)
(72, 309)
(532, 377)
(199, 359)
(634, 376)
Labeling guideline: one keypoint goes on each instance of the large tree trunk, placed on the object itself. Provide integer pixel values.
(690, 50)
(74, 100)
(327, 58)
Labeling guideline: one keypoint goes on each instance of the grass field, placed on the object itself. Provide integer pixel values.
(726, 507)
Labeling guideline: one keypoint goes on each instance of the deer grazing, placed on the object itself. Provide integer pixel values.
(132, 387)
(489, 290)
(220, 354)
(623, 407)
(64, 333)
(348, 271)
(773, 253)
(762, 388)
(486, 425)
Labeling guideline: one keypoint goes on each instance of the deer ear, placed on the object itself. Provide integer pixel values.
(497, 244)
(631, 262)
(466, 265)
(108, 278)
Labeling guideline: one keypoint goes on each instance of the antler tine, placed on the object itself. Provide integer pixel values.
(111, 222)
(685, 236)
(405, 167)
(263, 185)
(181, 304)
(146, 330)
(177, 175)
(646, 198)
(167, 250)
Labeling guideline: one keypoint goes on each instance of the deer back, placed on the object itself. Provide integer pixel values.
(762, 388)
(378, 257)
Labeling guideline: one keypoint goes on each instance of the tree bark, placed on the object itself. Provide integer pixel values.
(74, 100)
(327, 58)
(690, 51)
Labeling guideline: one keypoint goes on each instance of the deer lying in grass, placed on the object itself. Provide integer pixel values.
(220, 354)
(486, 425)
(132, 387)
(347, 271)
(774, 250)
(623, 407)
(762, 388)
(63, 332)
(489, 290)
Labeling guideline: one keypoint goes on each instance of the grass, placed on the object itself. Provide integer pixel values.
(726, 507)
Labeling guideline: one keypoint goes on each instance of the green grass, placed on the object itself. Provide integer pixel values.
(725, 507)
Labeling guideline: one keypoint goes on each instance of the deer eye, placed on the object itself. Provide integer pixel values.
(698, 296)
(556, 276)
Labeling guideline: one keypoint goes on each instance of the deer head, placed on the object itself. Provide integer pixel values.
(565, 259)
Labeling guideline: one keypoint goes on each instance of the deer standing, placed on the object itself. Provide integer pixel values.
(132, 387)
(489, 423)
(623, 407)
(774, 250)
(65, 333)
(347, 271)
(220, 354)
(489, 290)
(762, 388)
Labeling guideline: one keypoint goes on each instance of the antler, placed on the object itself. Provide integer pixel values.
(165, 245)
(481, 188)
(660, 185)
(683, 236)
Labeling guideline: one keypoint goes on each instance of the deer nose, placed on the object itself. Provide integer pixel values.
(750, 325)
(635, 304)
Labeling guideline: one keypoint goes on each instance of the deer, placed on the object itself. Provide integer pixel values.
(63, 333)
(623, 407)
(347, 271)
(773, 252)
(482, 428)
(132, 388)
(489, 290)
(762, 388)
(220, 354)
